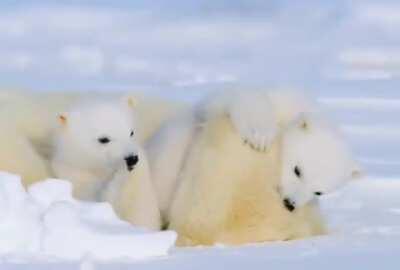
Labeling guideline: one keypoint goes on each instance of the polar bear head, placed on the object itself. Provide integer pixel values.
(315, 161)
(99, 134)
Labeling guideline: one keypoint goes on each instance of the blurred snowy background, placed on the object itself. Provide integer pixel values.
(345, 51)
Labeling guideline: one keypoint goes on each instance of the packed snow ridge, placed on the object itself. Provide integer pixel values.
(47, 221)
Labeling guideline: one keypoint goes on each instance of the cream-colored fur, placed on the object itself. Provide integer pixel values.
(228, 193)
(28, 119)
(100, 171)
(28, 123)
(133, 197)
(18, 156)
(25, 124)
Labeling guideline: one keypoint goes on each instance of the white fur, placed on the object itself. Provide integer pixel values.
(28, 119)
(133, 195)
(99, 170)
(77, 149)
(256, 115)
(319, 151)
(228, 193)
(259, 117)
(26, 123)
(166, 152)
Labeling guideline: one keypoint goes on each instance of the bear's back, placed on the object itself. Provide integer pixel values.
(228, 192)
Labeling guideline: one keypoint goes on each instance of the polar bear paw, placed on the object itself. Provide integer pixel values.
(255, 121)
(259, 139)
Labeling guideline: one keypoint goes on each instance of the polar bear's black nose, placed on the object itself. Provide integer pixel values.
(289, 204)
(131, 161)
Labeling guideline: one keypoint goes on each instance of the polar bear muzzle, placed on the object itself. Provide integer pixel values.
(131, 161)
(289, 204)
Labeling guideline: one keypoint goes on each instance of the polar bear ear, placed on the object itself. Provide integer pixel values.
(303, 122)
(357, 173)
(130, 101)
(63, 119)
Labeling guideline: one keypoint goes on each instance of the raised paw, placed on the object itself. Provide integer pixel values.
(254, 147)
(253, 116)
(258, 141)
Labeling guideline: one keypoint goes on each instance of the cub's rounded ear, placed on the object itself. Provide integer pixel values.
(131, 101)
(303, 122)
(357, 173)
(62, 119)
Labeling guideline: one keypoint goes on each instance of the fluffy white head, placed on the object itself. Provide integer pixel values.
(99, 135)
(315, 161)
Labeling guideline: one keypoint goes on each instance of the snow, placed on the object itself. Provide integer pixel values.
(364, 222)
(46, 221)
(45, 228)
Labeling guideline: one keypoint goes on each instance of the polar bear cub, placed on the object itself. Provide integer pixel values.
(274, 116)
(95, 147)
(325, 162)
(315, 160)
(228, 193)
(28, 119)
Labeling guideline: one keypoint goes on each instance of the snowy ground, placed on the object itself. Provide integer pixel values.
(365, 234)
(46, 222)
(364, 221)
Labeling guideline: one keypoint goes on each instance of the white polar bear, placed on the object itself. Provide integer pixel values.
(96, 149)
(28, 119)
(228, 193)
(324, 161)
(256, 115)
(259, 118)
(315, 160)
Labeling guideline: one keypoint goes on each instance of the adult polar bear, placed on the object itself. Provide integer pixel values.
(213, 188)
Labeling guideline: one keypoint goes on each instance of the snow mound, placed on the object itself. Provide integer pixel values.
(47, 221)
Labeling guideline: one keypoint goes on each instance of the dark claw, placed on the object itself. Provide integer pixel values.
(254, 147)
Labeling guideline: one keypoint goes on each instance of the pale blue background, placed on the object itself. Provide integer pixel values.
(182, 44)
(346, 49)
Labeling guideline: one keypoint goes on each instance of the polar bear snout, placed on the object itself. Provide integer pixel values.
(131, 161)
(289, 204)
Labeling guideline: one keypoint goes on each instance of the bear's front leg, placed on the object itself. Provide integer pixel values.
(133, 196)
(86, 186)
(253, 116)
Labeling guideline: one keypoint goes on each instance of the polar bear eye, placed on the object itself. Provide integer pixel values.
(297, 172)
(104, 140)
(132, 133)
